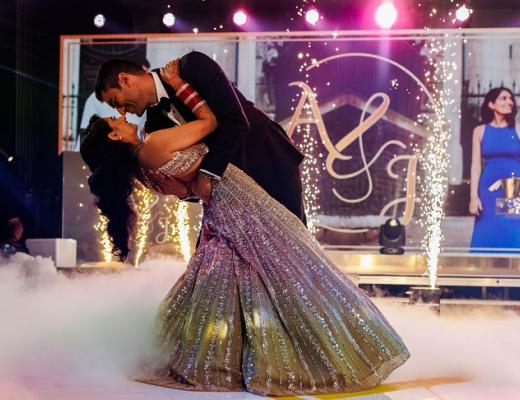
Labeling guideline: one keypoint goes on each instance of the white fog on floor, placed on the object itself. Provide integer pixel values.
(98, 328)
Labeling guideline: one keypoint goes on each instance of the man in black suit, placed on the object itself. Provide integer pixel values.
(246, 136)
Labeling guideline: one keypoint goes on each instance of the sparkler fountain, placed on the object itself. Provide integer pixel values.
(435, 159)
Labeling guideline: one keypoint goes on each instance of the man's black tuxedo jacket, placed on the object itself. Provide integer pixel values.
(246, 136)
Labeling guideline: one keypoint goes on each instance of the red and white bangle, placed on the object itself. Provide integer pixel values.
(179, 91)
(190, 97)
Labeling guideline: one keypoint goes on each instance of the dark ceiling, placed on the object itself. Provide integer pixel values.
(141, 16)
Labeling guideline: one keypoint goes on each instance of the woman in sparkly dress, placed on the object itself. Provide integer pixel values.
(260, 307)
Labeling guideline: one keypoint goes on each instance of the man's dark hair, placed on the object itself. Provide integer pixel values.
(108, 74)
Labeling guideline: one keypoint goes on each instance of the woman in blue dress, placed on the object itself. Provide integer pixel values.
(495, 155)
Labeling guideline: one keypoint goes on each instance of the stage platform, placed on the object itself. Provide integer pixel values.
(367, 266)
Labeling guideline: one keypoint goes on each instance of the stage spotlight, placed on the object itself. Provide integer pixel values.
(462, 13)
(392, 237)
(168, 19)
(240, 18)
(6, 156)
(312, 16)
(386, 15)
(99, 21)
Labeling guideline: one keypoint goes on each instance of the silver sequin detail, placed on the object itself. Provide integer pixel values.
(261, 307)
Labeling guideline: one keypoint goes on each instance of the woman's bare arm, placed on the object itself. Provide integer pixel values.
(160, 145)
(475, 206)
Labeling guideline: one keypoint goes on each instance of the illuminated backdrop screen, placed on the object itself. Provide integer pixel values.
(385, 121)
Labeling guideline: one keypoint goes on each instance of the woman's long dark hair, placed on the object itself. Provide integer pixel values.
(487, 114)
(113, 170)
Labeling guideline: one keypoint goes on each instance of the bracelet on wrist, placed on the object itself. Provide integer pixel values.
(190, 97)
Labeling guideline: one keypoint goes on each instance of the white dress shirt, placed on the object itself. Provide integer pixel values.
(174, 114)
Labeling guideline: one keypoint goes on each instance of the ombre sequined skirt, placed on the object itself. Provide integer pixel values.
(261, 308)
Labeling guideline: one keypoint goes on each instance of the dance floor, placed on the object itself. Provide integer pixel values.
(82, 337)
(441, 388)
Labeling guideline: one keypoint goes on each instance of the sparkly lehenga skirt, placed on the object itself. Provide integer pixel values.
(261, 308)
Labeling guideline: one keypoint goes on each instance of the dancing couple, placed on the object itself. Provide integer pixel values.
(260, 307)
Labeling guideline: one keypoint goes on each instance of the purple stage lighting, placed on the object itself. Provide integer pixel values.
(386, 15)
(168, 19)
(99, 21)
(462, 13)
(240, 18)
(312, 16)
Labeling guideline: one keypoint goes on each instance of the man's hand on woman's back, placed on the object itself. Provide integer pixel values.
(170, 186)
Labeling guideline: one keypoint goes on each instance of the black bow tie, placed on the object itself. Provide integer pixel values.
(165, 104)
